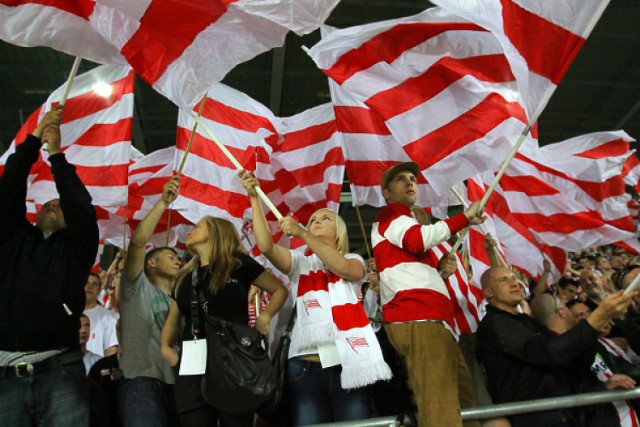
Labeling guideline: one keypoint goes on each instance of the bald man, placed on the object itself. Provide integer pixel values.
(524, 360)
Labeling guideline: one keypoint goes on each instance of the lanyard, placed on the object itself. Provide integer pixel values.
(195, 304)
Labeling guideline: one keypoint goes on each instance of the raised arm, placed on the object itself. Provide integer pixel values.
(13, 182)
(280, 257)
(134, 264)
(351, 269)
(75, 200)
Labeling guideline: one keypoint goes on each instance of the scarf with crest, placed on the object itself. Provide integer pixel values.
(328, 311)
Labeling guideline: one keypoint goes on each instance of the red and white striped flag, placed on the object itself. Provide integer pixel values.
(96, 136)
(369, 150)
(60, 24)
(465, 297)
(539, 62)
(519, 246)
(308, 162)
(183, 47)
(441, 84)
(209, 184)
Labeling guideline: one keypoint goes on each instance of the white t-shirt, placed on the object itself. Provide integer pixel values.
(89, 358)
(103, 329)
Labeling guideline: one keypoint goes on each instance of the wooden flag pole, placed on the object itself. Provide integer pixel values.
(67, 88)
(184, 160)
(193, 132)
(238, 166)
(364, 234)
(484, 230)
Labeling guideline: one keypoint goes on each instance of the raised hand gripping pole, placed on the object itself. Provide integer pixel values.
(238, 166)
(67, 88)
(484, 230)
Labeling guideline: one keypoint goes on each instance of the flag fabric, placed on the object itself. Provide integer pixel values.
(183, 47)
(209, 182)
(465, 297)
(441, 84)
(298, 160)
(96, 136)
(369, 150)
(308, 162)
(60, 24)
(539, 63)
(519, 247)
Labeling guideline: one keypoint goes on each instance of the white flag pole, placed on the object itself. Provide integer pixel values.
(237, 165)
(67, 88)
(506, 163)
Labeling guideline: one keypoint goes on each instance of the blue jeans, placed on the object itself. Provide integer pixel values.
(55, 398)
(145, 401)
(315, 395)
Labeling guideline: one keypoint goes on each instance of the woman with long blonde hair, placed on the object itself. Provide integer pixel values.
(334, 353)
(224, 276)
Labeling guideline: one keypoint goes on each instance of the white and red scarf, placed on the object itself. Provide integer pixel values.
(328, 311)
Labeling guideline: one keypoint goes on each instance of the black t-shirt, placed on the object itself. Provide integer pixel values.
(229, 303)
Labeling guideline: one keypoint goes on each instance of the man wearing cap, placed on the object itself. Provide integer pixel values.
(417, 311)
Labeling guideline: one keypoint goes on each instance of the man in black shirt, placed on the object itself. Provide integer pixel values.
(44, 269)
(524, 360)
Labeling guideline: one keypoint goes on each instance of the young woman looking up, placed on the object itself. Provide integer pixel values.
(331, 326)
(224, 275)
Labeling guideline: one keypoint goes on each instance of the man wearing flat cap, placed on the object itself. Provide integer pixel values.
(417, 311)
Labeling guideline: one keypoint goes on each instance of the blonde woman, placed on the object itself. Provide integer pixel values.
(331, 326)
(224, 274)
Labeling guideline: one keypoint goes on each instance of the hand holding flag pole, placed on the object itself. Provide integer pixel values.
(238, 166)
(484, 230)
(67, 89)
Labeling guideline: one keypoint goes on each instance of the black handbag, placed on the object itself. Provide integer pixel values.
(239, 375)
(275, 409)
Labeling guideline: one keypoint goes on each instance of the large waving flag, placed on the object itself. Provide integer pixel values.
(565, 201)
(539, 62)
(369, 150)
(183, 47)
(60, 24)
(441, 84)
(96, 136)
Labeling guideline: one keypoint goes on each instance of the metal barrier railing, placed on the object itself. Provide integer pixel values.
(506, 409)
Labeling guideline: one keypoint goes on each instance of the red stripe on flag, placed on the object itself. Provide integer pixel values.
(359, 120)
(235, 204)
(618, 147)
(216, 111)
(389, 45)
(418, 90)
(80, 8)
(466, 128)
(104, 135)
(166, 29)
(596, 190)
(553, 48)
(305, 137)
(528, 184)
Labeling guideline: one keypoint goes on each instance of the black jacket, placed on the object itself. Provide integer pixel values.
(38, 276)
(524, 360)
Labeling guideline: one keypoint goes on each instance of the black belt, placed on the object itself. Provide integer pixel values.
(24, 369)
